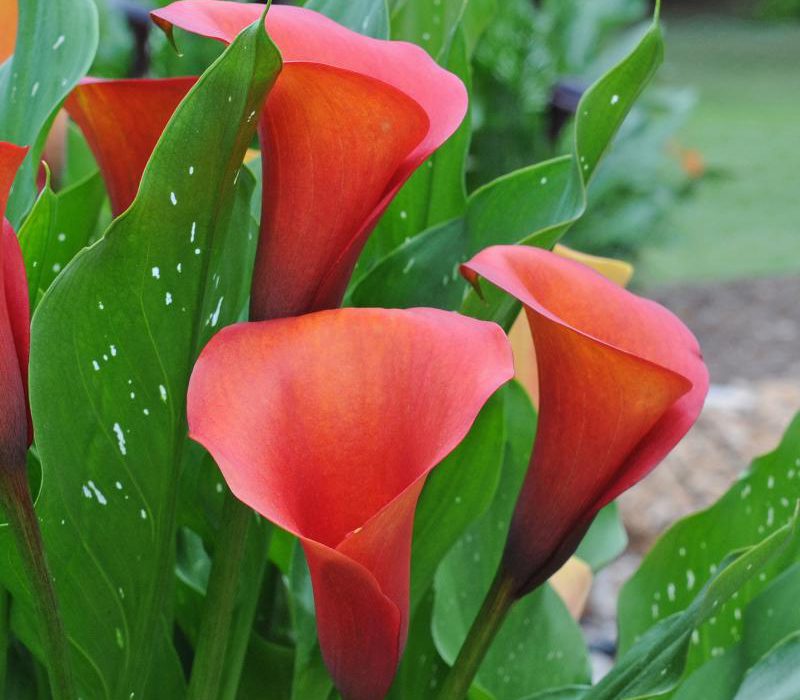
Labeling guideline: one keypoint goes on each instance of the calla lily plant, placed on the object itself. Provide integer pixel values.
(247, 487)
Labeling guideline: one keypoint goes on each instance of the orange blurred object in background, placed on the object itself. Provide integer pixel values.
(8, 28)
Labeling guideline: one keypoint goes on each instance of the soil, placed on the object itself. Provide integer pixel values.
(750, 334)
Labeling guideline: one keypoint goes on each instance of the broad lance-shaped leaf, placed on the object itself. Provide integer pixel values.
(59, 225)
(114, 341)
(56, 42)
(691, 551)
(534, 205)
(653, 666)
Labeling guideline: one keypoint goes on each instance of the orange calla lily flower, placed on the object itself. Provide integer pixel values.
(122, 121)
(15, 426)
(621, 381)
(617, 271)
(348, 121)
(327, 424)
(8, 28)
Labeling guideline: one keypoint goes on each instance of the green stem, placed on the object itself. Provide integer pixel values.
(490, 618)
(219, 625)
(18, 505)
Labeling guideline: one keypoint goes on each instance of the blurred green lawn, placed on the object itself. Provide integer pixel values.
(743, 218)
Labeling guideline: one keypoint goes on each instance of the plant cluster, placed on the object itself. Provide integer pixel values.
(268, 414)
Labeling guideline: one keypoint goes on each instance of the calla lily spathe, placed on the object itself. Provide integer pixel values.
(327, 424)
(621, 381)
(348, 121)
(122, 121)
(15, 426)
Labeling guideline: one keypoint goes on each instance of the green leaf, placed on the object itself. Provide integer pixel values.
(436, 192)
(539, 646)
(686, 557)
(534, 206)
(717, 679)
(421, 272)
(606, 539)
(369, 17)
(56, 42)
(573, 692)
(421, 670)
(537, 205)
(108, 387)
(456, 493)
(58, 226)
(776, 676)
(267, 671)
(656, 662)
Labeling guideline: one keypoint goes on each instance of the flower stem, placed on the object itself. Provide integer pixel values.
(15, 497)
(490, 618)
(228, 612)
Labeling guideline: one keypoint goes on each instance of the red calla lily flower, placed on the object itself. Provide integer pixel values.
(621, 382)
(15, 425)
(327, 424)
(122, 121)
(348, 121)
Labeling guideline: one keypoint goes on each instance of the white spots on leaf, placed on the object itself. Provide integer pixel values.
(35, 89)
(671, 592)
(133, 395)
(146, 411)
(113, 349)
(214, 319)
(61, 237)
(771, 482)
(58, 42)
(162, 390)
(118, 484)
(96, 365)
(251, 115)
(143, 514)
(409, 265)
(770, 516)
(56, 267)
(219, 487)
(690, 579)
(193, 232)
(101, 499)
(179, 267)
(156, 273)
(120, 438)
(197, 251)
(404, 214)
(614, 99)
(168, 298)
(173, 199)
(745, 492)
(682, 552)
(695, 637)
(191, 170)
(543, 181)
(86, 491)
(100, 305)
